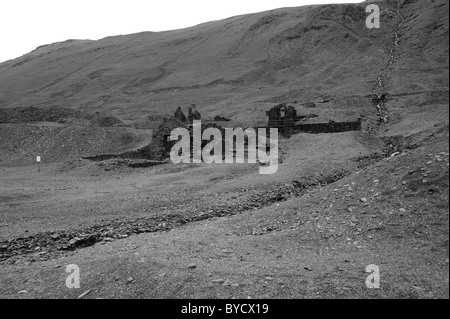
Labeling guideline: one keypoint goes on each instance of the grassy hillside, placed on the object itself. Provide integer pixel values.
(239, 66)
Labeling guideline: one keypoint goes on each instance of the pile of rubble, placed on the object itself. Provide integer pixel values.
(157, 149)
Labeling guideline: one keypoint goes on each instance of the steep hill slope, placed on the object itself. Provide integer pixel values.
(240, 64)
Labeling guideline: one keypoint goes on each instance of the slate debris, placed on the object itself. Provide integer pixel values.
(52, 243)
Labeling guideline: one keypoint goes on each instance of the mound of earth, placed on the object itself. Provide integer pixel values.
(21, 143)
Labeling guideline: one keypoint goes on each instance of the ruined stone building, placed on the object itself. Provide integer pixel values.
(179, 115)
(193, 114)
(282, 115)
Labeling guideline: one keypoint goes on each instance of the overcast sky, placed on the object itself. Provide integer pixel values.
(27, 24)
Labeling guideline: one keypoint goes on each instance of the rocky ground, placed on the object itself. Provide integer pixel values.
(291, 240)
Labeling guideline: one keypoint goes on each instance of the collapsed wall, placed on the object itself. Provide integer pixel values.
(285, 118)
(331, 127)
(160, 146)
(167, 144)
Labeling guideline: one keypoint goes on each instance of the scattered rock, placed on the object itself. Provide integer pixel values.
(218, 281)
(84, 294)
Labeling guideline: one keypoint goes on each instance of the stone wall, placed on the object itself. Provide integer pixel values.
(331, 127)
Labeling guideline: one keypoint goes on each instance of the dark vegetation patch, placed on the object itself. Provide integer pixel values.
(33, 114)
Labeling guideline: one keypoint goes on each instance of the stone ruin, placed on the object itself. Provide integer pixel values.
(193, 114)
(282, 115)
(286, 119)
(164, 144)
(179, 115)
(159, 147)
(330, 127)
